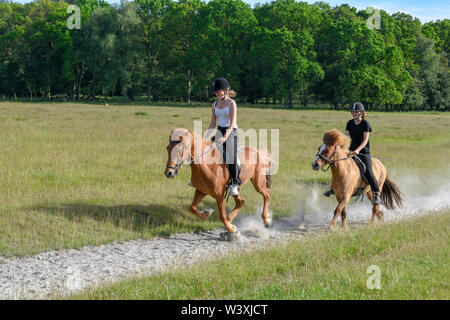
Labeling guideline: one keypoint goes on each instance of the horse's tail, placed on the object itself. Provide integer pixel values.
(390, 194)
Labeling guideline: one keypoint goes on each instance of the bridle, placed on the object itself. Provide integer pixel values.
(179, 164)
(182, 163)
(331, 161)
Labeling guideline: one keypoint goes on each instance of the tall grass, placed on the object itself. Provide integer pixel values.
(75, 174)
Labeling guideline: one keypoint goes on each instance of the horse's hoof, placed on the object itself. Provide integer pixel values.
(333, 228)
(233, 228)
(228, 236)
(268, 223)
(207, 211)
(225, 236)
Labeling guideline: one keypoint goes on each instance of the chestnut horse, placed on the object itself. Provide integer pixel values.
(346, 178)
(209, 174)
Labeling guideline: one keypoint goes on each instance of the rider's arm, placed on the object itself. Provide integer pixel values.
(212, 124)
(347, 133)
(233, 119)
(363, 144)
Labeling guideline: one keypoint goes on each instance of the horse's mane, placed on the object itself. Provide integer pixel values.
(189, 137)
(333, 137)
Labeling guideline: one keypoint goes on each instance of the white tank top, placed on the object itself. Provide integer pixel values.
(223, 116)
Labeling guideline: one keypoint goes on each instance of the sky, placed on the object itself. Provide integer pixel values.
(424, 10)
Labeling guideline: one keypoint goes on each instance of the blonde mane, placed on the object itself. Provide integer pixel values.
(333, 137)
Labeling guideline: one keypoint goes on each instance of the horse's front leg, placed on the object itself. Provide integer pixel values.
(239, 203)
(337, 212)
(193, 208)
(223, 215)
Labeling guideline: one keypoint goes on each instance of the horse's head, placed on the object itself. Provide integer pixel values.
(178, 150)
(332, 139)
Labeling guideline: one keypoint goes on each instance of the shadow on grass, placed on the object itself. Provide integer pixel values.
(155, 219)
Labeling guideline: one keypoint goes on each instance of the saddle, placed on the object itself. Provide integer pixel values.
(362, 167)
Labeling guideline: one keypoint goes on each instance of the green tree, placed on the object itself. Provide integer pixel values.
(125, 60)
(439, 31)
(151, 13)
(360, 66)
(181, 39)
(228, 27)
(432, 74)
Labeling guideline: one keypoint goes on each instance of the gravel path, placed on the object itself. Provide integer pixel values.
(68, 271)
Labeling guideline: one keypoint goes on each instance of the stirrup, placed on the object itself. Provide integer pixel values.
(190, 184)
(328, 193)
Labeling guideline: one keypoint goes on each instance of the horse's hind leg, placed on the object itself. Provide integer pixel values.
(376, 212)
(344, 218)
(380, 212)
(260, 186)
(380, 215)
(193, 208)
(239, 203)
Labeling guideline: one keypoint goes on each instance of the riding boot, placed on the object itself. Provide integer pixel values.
(377, 198)
(234, 191)
(328, 193)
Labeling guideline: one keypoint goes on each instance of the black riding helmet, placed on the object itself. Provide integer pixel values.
(357, 106)
(220, 83)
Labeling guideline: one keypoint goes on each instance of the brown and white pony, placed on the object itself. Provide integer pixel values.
(209, 174)
(346, 177)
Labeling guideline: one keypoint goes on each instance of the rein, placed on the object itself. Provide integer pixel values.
(331, 161)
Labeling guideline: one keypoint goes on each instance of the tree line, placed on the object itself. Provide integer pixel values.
(284, 52)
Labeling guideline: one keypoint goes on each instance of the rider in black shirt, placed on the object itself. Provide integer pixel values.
(359, 129)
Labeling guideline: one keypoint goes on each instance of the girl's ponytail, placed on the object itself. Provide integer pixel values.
(363, 115)
(231, 93)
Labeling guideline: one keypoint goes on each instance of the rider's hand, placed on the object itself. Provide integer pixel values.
(221, 140)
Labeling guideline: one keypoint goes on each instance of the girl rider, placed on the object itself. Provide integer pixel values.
(358, 129)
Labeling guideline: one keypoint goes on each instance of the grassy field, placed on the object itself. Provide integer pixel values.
(75, 174)
(412, 256)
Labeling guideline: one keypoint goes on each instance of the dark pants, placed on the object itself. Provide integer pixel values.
(367, 159)
(229, 152)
